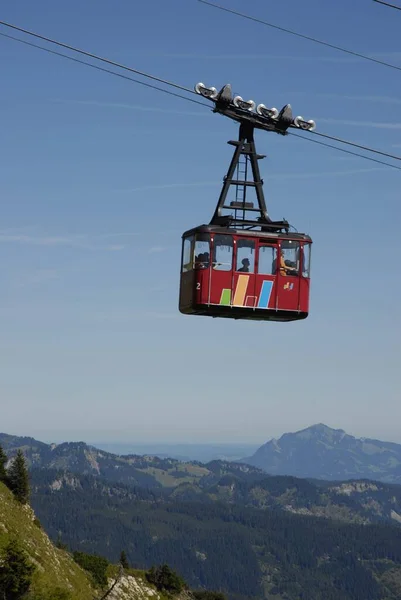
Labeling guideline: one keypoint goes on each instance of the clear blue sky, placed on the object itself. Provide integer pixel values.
(99, 177)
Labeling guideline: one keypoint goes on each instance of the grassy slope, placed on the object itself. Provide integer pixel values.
(54, 567)
(167, 476)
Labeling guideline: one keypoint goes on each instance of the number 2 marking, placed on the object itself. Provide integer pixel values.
(198, 286)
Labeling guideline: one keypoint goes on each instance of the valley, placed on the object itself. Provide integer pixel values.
(222, 525)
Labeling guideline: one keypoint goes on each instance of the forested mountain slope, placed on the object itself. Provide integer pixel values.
(359, 501)
(251, 553)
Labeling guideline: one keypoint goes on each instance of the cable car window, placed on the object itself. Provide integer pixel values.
(223, 252)
(245, 256)
(267, 264)
(202, 251)
(306, 260)
(187, 254)
(289, 257)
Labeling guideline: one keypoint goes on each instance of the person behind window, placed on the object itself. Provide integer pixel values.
(199, 260)
(202, 260)
(286, 267)
(245, 266)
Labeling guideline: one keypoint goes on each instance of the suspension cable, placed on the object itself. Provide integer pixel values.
(91, 55)
(119, 65)
(76, 60)
(301, 35)
(388, 4)
(336, 139)
(83, 62)
(381, 162)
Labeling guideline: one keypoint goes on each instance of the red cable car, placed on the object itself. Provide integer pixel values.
(238, 267)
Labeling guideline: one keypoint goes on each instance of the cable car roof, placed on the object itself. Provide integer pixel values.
(291, 235)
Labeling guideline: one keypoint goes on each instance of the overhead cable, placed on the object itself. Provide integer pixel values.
(301, 35)
(388, 4)
(355, 145)
(148, 75)
(83, 62)
(109, 71)
(381, 162)
(91, 55)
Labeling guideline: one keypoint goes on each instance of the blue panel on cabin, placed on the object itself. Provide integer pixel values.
(265, 294)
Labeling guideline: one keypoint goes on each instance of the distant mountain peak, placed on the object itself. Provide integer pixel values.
(321, 428)
(316, 431)
(319, 451)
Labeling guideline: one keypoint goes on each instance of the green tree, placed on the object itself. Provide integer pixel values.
(16, 572)
(19, 479)
(165, 579)
(124, 560)
(3, 462)
(94, 564)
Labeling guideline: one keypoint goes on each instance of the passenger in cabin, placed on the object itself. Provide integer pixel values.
(198, 261)
(286, 267)
(245, 266)
(202, 260)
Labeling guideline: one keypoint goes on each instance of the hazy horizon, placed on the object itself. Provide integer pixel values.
(203, 452)
(129, 439)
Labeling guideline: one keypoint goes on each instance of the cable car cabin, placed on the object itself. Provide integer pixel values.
(244, 274)
(243, 265)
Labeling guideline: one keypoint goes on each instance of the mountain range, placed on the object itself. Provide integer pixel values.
(317, 452)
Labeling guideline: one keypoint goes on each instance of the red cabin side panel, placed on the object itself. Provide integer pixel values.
(304, 292)
(201, 285)
(288, 292)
